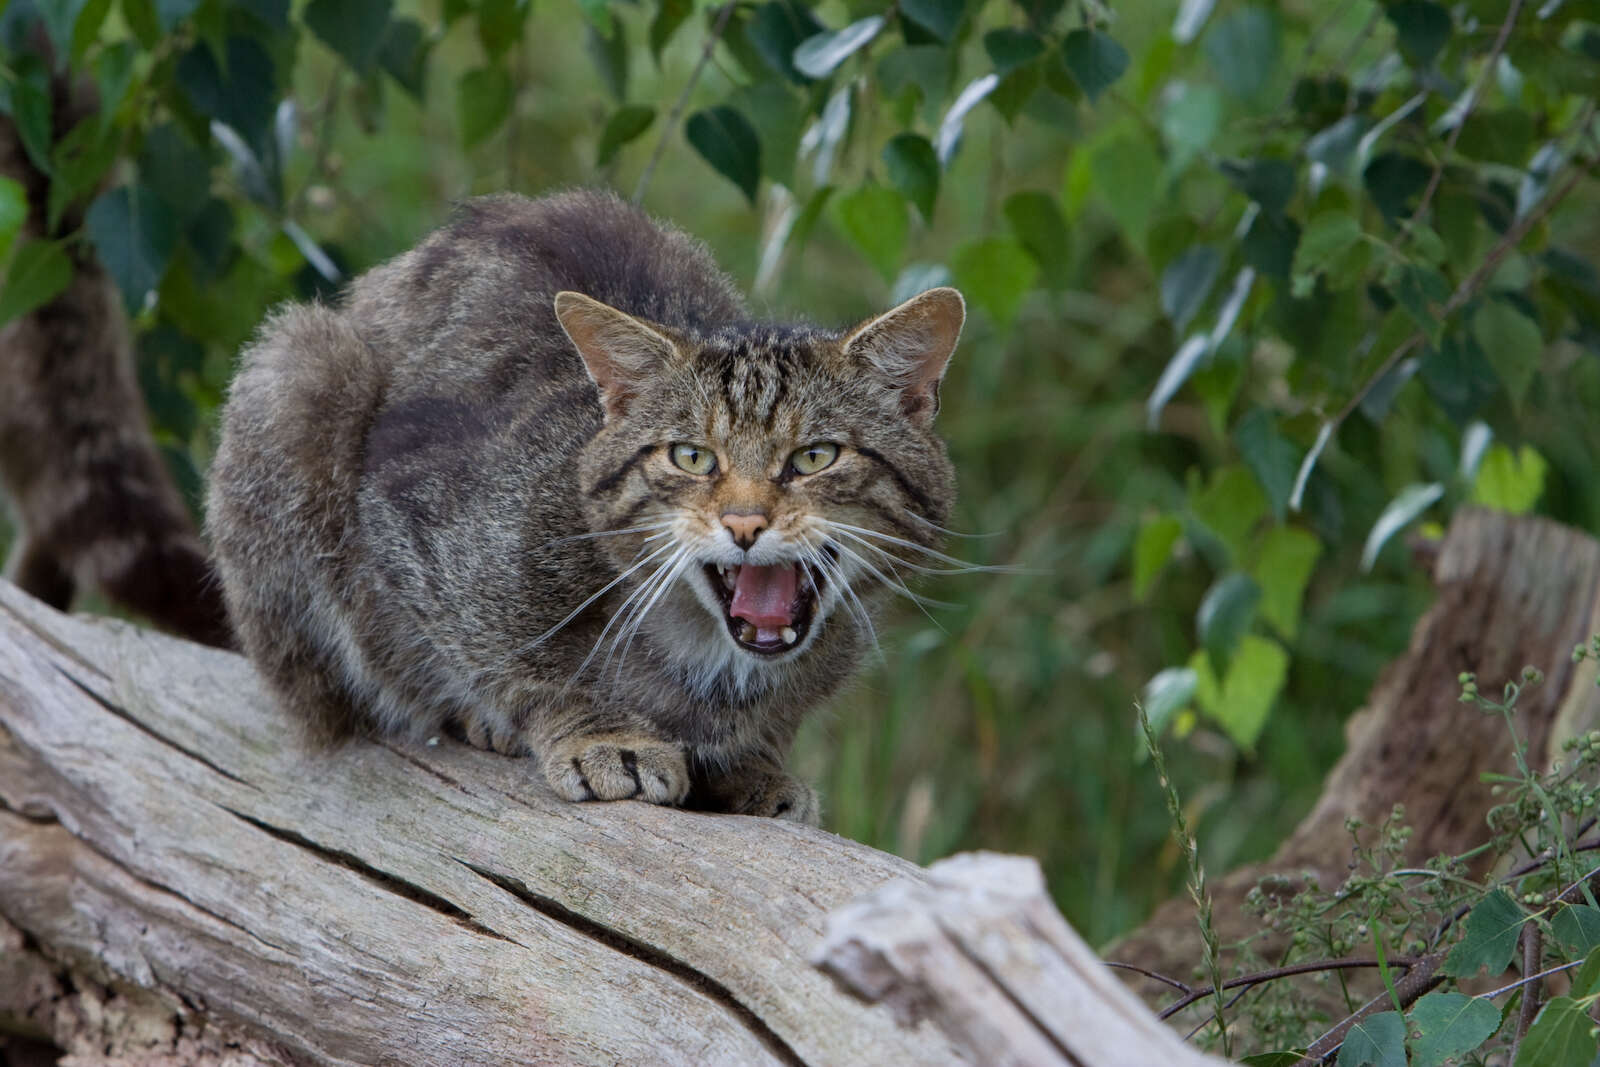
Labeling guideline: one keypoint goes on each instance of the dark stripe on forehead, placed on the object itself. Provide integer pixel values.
(610, 481)
(899, 477)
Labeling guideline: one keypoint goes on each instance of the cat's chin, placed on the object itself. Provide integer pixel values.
(774, 637)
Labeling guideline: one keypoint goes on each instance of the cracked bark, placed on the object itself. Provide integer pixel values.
(168, 846)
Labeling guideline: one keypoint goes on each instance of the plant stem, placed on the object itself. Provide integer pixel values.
(683, 101)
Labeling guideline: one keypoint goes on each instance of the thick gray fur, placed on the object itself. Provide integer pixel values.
(406, 483)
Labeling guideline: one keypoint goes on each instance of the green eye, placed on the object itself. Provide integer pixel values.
(814, 458)
(694, 459)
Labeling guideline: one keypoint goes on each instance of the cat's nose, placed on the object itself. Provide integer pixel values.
(745, 526)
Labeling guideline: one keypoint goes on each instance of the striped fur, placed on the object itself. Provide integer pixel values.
(418, 495)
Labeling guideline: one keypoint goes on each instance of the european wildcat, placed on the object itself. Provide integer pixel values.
(93, 501)
(542, 478)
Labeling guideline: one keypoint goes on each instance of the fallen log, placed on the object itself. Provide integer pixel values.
(182, 883)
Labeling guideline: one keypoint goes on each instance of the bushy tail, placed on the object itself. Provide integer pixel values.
(94, 503)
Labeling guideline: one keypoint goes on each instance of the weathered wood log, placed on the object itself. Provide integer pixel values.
(181, 882)
(978, 947)
(1512, 592)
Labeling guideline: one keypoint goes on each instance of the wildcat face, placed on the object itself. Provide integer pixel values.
(769, 477)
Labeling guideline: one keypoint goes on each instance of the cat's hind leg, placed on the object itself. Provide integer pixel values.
(755, 787)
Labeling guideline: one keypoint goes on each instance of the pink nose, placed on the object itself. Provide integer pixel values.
(744, 527)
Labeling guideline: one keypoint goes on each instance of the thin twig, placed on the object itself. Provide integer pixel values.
(683, 101)
(1286, 971)
(1182, 987)
(1541, 976)
(1466, 113)
(1532, 951)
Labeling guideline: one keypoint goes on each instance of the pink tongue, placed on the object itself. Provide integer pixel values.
(764, 596)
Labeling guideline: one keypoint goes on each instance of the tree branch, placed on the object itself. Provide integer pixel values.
(683, 101)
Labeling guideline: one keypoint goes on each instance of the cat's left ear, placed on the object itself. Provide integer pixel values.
(620, 351)
(911, 344)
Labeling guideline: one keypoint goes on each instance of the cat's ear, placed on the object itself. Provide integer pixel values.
(618, 349)
(911, 344)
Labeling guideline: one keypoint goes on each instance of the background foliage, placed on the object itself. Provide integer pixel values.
(1255, 287)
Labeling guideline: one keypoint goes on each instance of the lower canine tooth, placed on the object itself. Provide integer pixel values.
(787, 634)
(748, 633)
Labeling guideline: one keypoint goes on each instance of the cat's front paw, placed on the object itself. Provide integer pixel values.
(617, 767)
(769, 794)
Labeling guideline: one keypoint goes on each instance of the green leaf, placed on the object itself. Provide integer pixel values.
(1166, 694)
(242, 93)
(30, 108)
(939, 17)
(38, 273)
(1423, 28)
(483, 101)
(1450, 1024)
(1127, 173)
(1269, 182)
(13, 213)
(1230, 507)
(352, 28)
(726, 140)
(1243, 50)
(1183, 364)
(1508, 482)
(1244, 699)
(624, 125)
(1190, 119)
(1491, 928)
(1270, 244)
(914, 170)
(1151, 550)
(171, 12)
(918, 278)
(817, 56)
(1010, 48)
(1562, 1036)
(1094, 59)
(995, 274)
(1286, 1058)
(775, 30)
(1587, 980)
(134, 232)
(1409, 503)
(404, 55)
(1577, 927)
(874, 218)
(671, 14)
(1328, 236)
(608, 49)
(113, 72)
(782, 115)
(1187, 282)
(1036, 222)
(500, 25)
(1272, 458)
(1287, 558)
(1458, 376)
(598, 14)
(1395, 180)
(176, 170)
(1376, 1041)
(1512, 343)
(1226, 612)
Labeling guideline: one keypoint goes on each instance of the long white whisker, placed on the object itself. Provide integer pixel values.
(631, 612)
(574, 613)
(623, 610)
(930, 524)
(835, 575)
(640, 615)
(892, 582)
(647, 528)
(961, 564)
(888, 559)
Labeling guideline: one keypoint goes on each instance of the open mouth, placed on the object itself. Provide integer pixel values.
(768, 609)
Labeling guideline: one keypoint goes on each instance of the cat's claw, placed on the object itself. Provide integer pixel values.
(618, 768)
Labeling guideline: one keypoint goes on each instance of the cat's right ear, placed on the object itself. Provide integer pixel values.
(618, 349)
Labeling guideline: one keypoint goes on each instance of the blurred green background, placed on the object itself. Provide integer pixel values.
(1126, 167)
